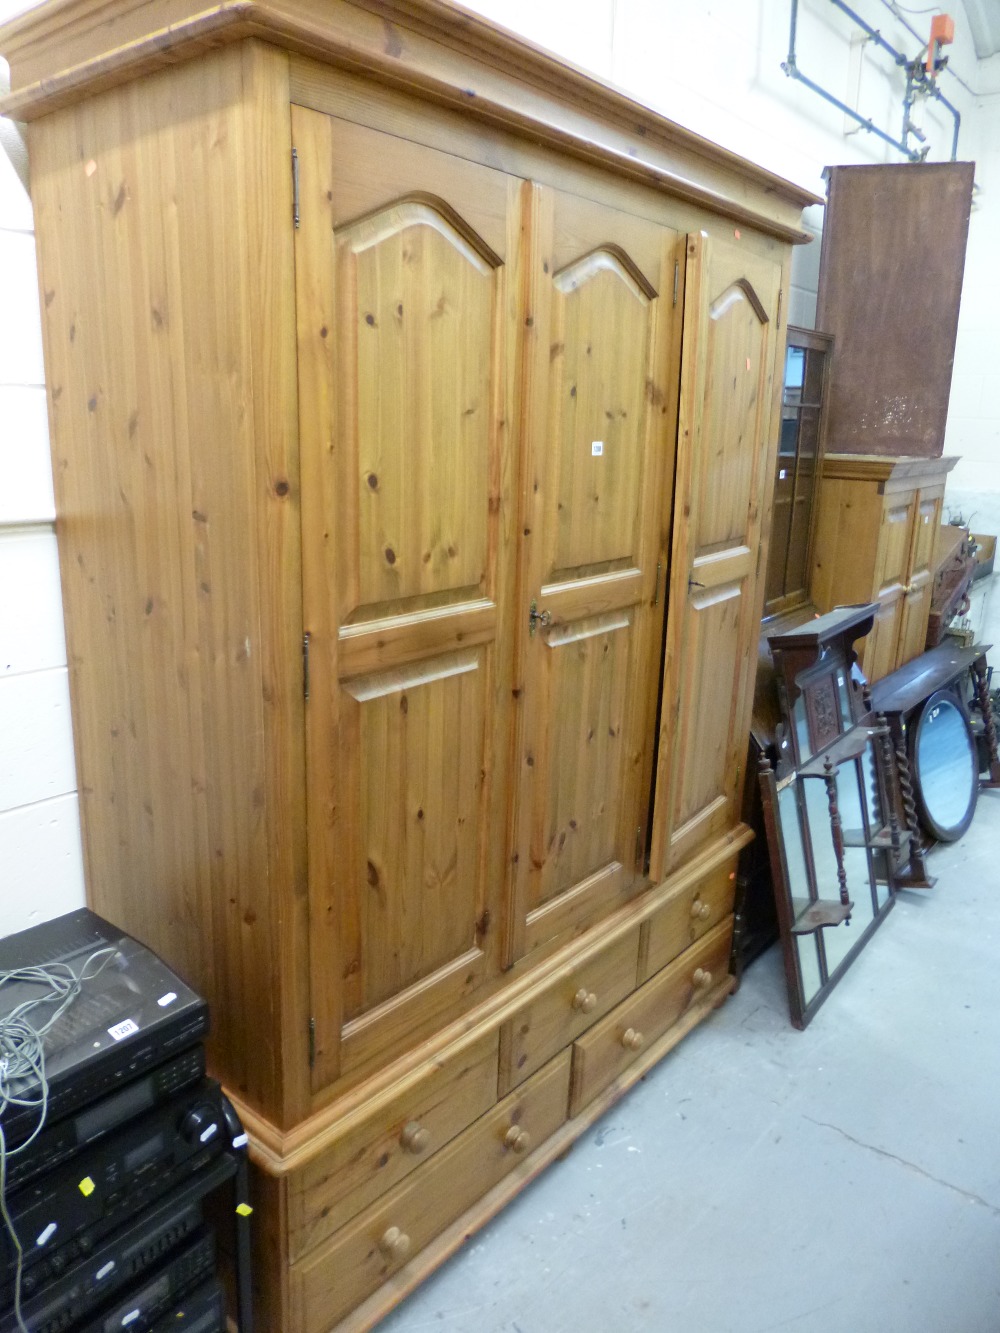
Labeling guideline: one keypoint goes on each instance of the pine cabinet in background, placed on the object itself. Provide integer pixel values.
(875, 530)
(413, 405)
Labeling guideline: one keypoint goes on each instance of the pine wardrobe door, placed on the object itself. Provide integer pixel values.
(725, 458)
(599, 402)
(407, 290)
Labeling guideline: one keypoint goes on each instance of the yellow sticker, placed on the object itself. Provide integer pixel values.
(244, 1209)
(87, 1187)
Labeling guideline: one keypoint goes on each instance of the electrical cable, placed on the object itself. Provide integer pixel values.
(22, 1057)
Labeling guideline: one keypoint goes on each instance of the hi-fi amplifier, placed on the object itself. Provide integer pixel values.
(132, 1012)
(61, 1215)
(123, 1257)
(201, 1311)
(57, 1143)
(160, 1292)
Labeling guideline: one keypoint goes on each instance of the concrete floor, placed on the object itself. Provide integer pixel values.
(840, 1180)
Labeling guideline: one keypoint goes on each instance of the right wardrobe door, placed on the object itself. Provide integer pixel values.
(724, 462)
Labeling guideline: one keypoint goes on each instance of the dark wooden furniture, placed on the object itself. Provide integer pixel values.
(830, 808)
(890, 283)
(899, 697)
(820, 701)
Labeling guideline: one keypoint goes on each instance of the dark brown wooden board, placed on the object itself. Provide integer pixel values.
(889, 290)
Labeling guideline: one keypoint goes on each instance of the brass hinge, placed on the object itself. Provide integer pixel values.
(677, 279)
(312, 1042)
(305, 665)
(656, 589)
(295, 187)
(638, 847)
(781, 293)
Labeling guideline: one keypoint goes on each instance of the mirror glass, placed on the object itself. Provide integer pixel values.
(795, 855)
(802, 729)
(838, 941)
(807, 948)
(845, 700)
(946, 768)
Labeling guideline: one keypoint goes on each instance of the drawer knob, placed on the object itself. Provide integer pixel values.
(701, 978)
(517, 1140)
(632, 1040)
(700, 911)
(395, 1244)
(585, 1000)
(415, 1138)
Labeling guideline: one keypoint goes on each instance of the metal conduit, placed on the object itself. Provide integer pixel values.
(791, 68)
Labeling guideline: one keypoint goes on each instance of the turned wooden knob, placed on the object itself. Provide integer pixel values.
(517, 1140)
(632, 1040)
(395, 1244)
(414, 1137)
(700, 911)
(585, 1000)
(701, 978)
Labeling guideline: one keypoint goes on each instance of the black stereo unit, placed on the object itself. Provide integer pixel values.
(159, 1293)
(201, 1311)
(122, 1258)
(60, 1216)
(56, 1143)
(132, 1013)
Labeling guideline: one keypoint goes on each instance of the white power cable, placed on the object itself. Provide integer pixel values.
(22, 1057)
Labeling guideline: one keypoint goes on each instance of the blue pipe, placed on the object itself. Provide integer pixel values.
(792, 70)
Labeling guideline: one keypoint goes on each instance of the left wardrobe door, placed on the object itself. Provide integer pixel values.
(407, 286)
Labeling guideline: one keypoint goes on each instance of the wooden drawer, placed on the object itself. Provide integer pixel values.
(383, 1146)
(690, 914)
(573, 1003)
(609, 1048)
(331, 1281)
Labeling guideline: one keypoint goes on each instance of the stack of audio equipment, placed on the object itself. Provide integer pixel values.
(105, 1226)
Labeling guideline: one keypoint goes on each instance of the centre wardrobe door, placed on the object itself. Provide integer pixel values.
(599, 420)
(408, 283)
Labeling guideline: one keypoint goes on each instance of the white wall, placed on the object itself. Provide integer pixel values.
(41, 870)
(713, 65)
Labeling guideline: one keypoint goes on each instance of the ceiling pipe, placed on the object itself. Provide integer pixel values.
(915, 87)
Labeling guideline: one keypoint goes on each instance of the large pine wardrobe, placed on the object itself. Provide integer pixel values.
(413, 402)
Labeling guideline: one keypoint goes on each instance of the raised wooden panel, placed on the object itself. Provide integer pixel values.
(927, 522)
(877, 652)
(736, 338)
(725, 459)
(408, 333)
(418, 297)
(419, 766)
(601, 321)
(916, 610)
(894, 542)
(598, 414)
(588, 664)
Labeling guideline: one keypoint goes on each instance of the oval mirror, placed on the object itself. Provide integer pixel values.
(945, 767)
